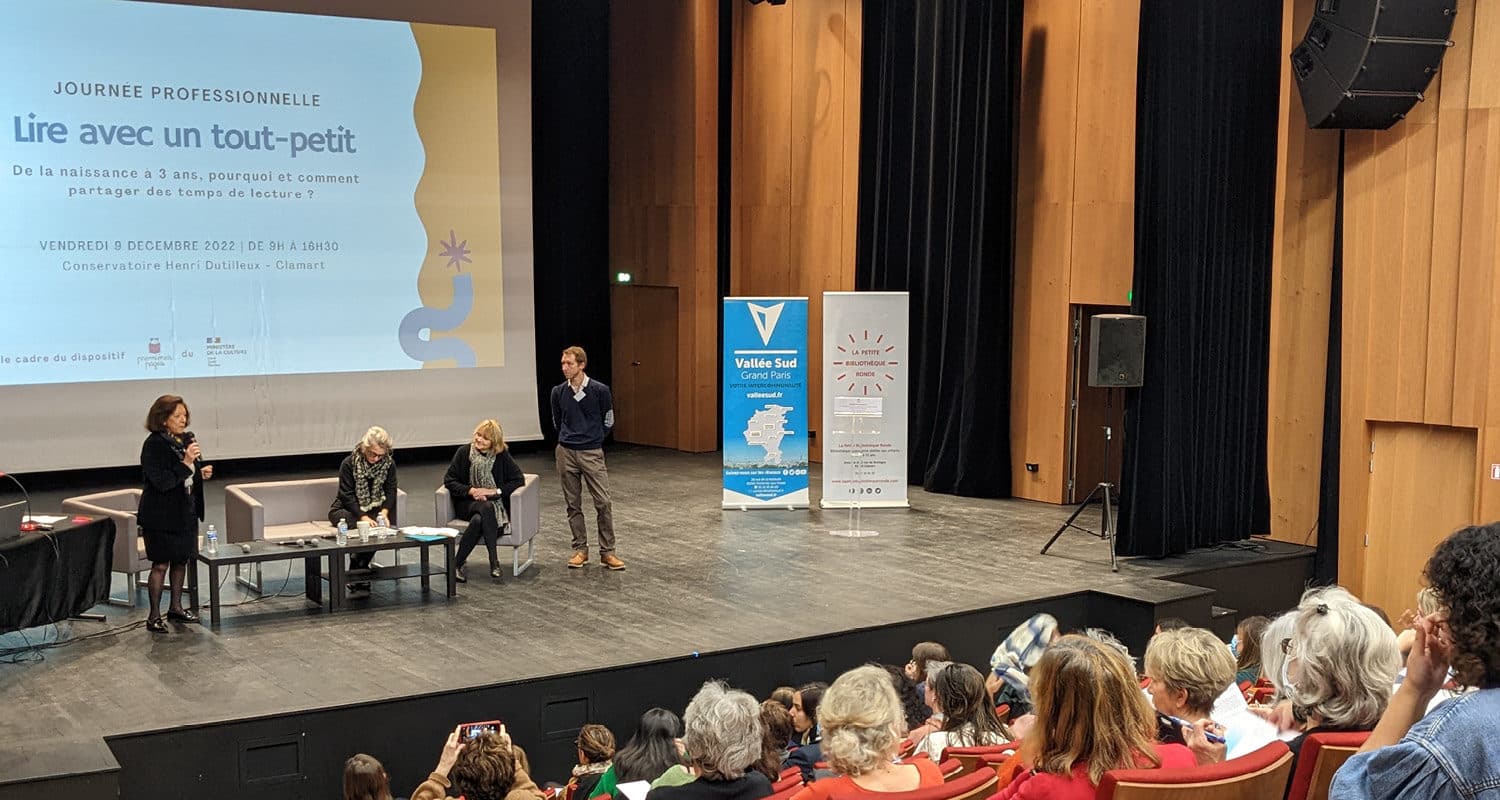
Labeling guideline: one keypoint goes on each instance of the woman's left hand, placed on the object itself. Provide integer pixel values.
(1194, 736)
(207, 471)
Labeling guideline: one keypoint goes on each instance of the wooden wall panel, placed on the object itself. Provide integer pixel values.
(1301, 279)
(795, 157)
(1075, 217)
(1421, 284)
(664, 82)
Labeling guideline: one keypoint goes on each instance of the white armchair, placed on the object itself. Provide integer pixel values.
(129, 555)
(525, 521)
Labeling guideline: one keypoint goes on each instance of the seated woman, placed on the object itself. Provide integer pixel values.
(1014, 658)
(1186, 671)
(1090, 718)
(1451, 751)
(1246, 648)
(367, 489)
(647, 755)
(1336, 668)
(487, 768)
(480, 481)
(860, 714)
(596, 748)
(921, 654)
(723, 737)
(365, 779)
(805, 748)
(776, 722)
(969, 719)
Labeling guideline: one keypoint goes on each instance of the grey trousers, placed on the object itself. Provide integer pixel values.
(576, 468)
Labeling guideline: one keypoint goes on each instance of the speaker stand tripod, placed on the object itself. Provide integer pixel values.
(1104, 491)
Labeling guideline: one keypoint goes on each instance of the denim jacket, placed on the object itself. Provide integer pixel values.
(1449, 754)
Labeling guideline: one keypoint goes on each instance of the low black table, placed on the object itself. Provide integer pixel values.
(335, 573)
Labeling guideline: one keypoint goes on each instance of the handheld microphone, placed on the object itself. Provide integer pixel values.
(27, 524)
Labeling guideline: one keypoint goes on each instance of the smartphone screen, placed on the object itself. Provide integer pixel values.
(473, 730)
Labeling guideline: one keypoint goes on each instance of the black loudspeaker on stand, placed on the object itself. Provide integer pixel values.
(1117, 358)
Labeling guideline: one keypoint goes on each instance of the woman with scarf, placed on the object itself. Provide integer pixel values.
(367, 489)
(480, 481)
(171, 504)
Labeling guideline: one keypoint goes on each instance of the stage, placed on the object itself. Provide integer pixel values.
(269, 704)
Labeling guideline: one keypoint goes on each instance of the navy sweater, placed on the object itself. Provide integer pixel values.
(582, 424)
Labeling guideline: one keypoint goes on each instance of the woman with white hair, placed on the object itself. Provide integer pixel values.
(1334, 670)
(722, 736)
(861, 715)
(367, 489)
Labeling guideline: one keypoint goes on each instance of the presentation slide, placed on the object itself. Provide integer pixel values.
(196, 194)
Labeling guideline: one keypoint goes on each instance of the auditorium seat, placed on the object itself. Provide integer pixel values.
(129, 554)
(276, 511)
(525, 521)
(785, 782)
(1322, 755)
(1261, 774)
(973, 758)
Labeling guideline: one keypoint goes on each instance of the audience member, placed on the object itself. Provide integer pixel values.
(1338, 667)
(1190, 677)
(649, 753)
(921, 654)
(1014, 658)
(1171, 623)
(969, 718)
(596, 748)
(860, 714)
(488, 767)
(776, 723)
(805, 748)
(1451, 752)
(784, 695)
(1090, 718)
(934, 721)
(723, 735)
(365, 779)
(1246, 648)
(912, 696)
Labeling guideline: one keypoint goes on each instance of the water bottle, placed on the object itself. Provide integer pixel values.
(385, 520)
(213, 540)
(343, 535)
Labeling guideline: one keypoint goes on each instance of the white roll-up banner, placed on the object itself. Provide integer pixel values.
(866, 353)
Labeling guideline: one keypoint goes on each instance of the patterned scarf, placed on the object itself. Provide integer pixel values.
(369, 480)
(1022, 649)
(482, 475)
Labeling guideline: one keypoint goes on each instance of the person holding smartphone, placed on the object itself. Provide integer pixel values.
(171, 504)
(485, 767)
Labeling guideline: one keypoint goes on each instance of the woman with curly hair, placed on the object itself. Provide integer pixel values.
(1451, 752)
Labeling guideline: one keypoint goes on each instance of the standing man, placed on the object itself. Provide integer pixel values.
(583, 412)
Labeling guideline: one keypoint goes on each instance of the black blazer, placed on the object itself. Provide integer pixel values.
(346, 502)
(165, 502)
(507, 474)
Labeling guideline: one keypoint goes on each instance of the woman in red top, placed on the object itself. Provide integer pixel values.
(860, 716)
(1090, 718)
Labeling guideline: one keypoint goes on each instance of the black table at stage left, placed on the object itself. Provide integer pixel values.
(50, 576)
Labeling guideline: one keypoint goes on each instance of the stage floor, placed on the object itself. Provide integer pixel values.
(699, 579)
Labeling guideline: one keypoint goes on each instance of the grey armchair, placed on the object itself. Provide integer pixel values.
(525, 521)
(129, 555)
(280, 510)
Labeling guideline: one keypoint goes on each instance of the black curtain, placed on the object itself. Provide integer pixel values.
(570, 187)
(1195, 434)
(936, 217)
(1326, 557)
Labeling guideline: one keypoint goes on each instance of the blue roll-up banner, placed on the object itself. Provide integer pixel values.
(765, 402)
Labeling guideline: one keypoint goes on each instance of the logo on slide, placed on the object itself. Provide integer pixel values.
(154, 346)
(765, 318)
(455, 251)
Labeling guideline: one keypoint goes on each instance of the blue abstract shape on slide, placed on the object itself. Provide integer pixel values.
(437, 320)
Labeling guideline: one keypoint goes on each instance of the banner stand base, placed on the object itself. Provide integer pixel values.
(851, 533)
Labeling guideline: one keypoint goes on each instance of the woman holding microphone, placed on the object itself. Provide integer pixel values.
(171, 503)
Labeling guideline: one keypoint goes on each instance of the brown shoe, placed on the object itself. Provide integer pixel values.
(611, 561)
(578, 560)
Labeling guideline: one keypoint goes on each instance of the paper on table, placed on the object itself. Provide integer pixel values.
(44, 519)
(418, 530)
